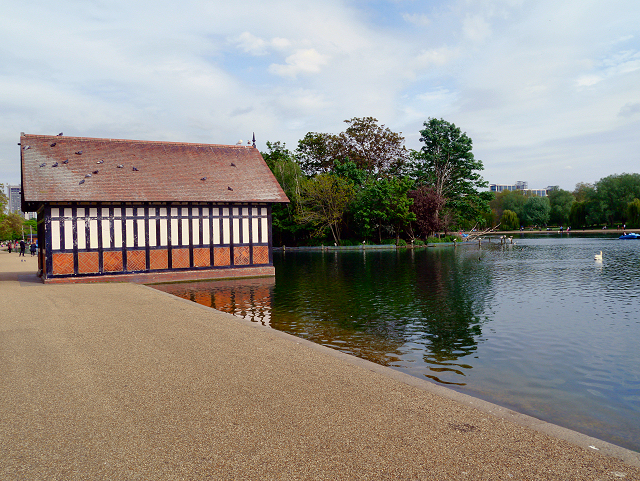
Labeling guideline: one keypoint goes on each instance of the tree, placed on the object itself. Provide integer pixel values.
(509, 220)
(316, 153)
(537, 210)
(287, 171)
(426, 206)
(3, 199)
(373, 148)
(11, 226)
(613, 194)
(633, 213)
(560, 201)
(446, 162)
(578, 214)
(323, 203)
(397, 204)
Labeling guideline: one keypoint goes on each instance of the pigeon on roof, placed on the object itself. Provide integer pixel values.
(135, 169)
(55, 165)
(88, 175)
(59, 134)
(229, 188)
(120, 166)
(203, 178)
(100, 162)
(81, 182)
(53, 144)
(42, 164)
(65, 161)
(96, 171)
(79, 152)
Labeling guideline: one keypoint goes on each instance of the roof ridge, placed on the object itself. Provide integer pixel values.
(130, 141)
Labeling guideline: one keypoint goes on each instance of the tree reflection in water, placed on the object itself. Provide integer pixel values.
(416, 310)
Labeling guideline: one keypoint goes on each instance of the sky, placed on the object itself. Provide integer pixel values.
(548, 90)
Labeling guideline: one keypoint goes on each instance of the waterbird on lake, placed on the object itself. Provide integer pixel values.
(598, 257)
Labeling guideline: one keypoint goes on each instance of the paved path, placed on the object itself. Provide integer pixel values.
(120, 381)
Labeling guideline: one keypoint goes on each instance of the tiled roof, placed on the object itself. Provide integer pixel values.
(63, 169)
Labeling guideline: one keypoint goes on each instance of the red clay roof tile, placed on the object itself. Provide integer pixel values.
(150, 171)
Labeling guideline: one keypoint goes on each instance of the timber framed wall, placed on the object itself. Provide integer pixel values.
(93, 239)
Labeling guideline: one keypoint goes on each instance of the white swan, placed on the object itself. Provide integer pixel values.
(598, 257)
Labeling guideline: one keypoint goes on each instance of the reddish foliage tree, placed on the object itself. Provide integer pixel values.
(426, 206)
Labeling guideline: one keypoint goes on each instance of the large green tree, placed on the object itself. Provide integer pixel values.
(560, 201)
(633, 213)
(447, 163)
(324, 201)
(317, 152)
(613, 194)
(537, 210)
(509, 220)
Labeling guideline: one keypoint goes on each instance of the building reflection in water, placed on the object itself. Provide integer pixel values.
(247, 298)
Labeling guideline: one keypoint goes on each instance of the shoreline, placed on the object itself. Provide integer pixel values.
(114, 381)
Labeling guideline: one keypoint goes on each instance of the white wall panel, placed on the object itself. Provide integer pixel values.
(93, 233)
(117, 233)
(82, 235)
(174, 231)
(141, 233)
(130, 239)
(152, 231)
(55, 234)
(106, 235)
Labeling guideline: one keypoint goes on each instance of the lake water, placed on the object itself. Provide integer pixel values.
(539, 327)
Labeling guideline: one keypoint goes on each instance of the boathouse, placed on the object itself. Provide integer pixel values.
(148, 211)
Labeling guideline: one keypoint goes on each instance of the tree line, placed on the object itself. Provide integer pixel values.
(364, 185)
(611, 201)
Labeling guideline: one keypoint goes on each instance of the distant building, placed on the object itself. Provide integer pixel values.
(519, 185)
(13, 194)
(148, 211)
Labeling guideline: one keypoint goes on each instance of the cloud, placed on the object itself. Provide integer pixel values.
(416, 19)
(629, 109)
(307, 61)
(532, 83)
(476, 28)
(253, 45)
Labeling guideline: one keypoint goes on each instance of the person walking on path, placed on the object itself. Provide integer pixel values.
(23, 247)
(9, 248)
(32, 248)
